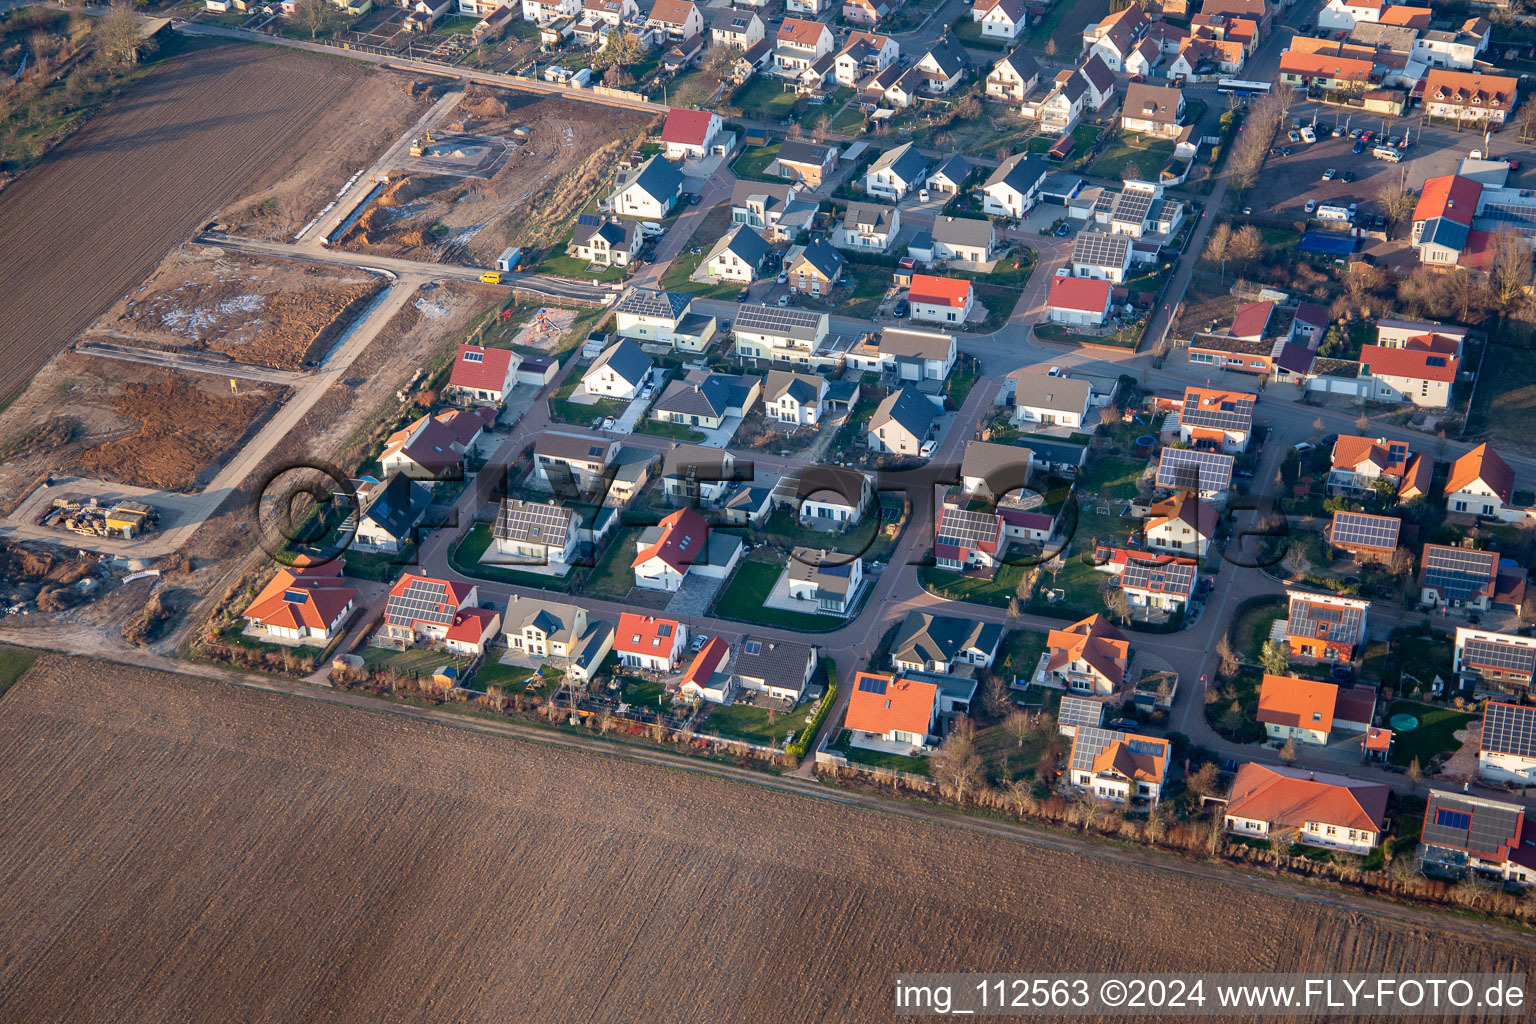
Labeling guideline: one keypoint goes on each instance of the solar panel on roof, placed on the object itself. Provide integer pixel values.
(1089, 743)
(1100, 249)
(588, 220)
(1510, 729)
(1187, 469)
(1459, 573)
(1452, 819)
(752, 647)
(1228, 414)
(424, 600)
(1079, 711)
(966, 529)
(1356, 529)
(1504, 657)
(665, 629)
(872, 684)
(296, 596)
(1146, 748)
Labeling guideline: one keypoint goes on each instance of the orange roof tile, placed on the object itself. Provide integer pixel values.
(1470, 89)
(1418, 363)
(1318, 65)
(645, 634)
(797, 32)
(1095, 641)
(1407, 17)
(470, 624)
(1186, 507)
(302, 597)
(899, 705)
(1120, 759)
(1482, 463)
(1352, 451)
(1297, 703)
(939, 291)
(1293, 797)
(707, 662)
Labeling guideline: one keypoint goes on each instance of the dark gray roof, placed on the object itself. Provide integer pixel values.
(780, 662)
(707, 463)
(831, 572)
(729, 19)
(747, 244)
(654, 303)
(626, 359)
(962, 231)
(904, 161)
(848, 484)
(868, 217)
(1055, 451)
(1020, 172)
(827, 260)
(924, 637)
(805, 152)
(954, 168)
(803, 387)
(658, 178)
(703, 394)
(915, 344)
(555, 444)
(775, 194)
(617, 233)
(908, 408)
(1023, 64)
(1041, 391)
(948, 55)
(1459, 821)
(398, 506)
(1004, 467)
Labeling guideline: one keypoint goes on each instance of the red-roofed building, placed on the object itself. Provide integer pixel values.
(944, 299)
(1407, 17)
(1469, 95)
(422, 608)
(1251, 320)
(1358, 462)
(967, 540)
(1090, 656)
(302, 604)
(1291, 708)
(472, 629)
(1421, 376)
(1181, 524)
(707, 678)
(680, 544)
(1079, 300)
(891, 714)
(1326, 72)
(690, 133)
(433, 447)
(1480, 484)
(484, 374)
(650, 643)
(1324, 810)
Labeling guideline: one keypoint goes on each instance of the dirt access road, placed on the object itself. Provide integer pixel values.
(94, 218)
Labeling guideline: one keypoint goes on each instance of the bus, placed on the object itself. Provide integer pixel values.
(1238, 87)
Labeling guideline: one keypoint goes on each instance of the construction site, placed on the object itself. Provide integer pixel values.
(89, 517)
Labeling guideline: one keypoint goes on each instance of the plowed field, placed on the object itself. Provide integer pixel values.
(175, 849)
(93, 219)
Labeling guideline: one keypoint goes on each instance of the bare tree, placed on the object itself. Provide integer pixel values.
(721, 60)
(1396, 202)
(1296, 561)
(117, 36)
(1415, 774)
(1288, 752)
(957, 765)
(1245, 245)
(969, 108)
(1509, 271)
(995, 697)
(1363, 423)
(1205, 780)
(1218, 247)
(1227, 657)
(1018, 725)
(1050, 47)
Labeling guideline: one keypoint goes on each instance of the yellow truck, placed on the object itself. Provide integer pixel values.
(491, 277)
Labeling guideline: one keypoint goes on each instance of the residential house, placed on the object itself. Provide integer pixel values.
(909, 355)
(1469, 96)
(650, 192)
(738, 256)
(752, 60)
(814, 269)
(421, 609)
(1204, 56)
(609, 12)
(302, 604)
(794, 398)
(650, 315)
(650, 643)
(708, 677)
(818, 77)
(1014, 187)
(1101, 256)
(1122, 767)
(682, 544)
(1495, 662)
(1220, 419)
(868, 228)
(472, 631)
(1089, 656)
(433, 447)
(1420, 334)
(1359, 462)
(799, 44)
(1308, 710)
(1325, 72)
(1005, 20)
(1058, 457)
(867, 12)
(1456, 577)
(831, 496)
(963, 238)
(902, 422)
(968, 541)
(1041, 400)
(1101, 82)
(1366, 537)
(775, 210)
(1208, 474)
(944, 644)
(1113, 38)
(1014, 76)
(864, 54)
(688, 133)
(1319, 809)
(992, 470)
(560, 633)
(1343, 15)
(942, 68)
(891, 714)
(829, 580)
(1465, 835)
(604, 241)
(1507, 750)
(1159, 582)
(1419, 376)
(1182, 524)
(483, 374)
(798, 337)
(695, 475)
(1064, 103)
(1325, 627)
(1153, 109)
(542, 12)
(1458, 48)
(705, 399)
(620, 372)
(387, 523)
(950, 176)
(1442, 218)
(541, 533)
(809, 163)
(941, 299)
(779, 668)
(573, 464)
(896, 172)
(1481, 484)
(679, 19)
(1079, 301)
(732, 26)
(811, 8)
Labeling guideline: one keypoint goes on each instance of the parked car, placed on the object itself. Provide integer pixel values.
(783, 277)
(1367, 135)
(784, 299)
(1330, 174)
(1311, 205)
(1514, 165)
(1355, 133)
(1293, 135)
(1358, 147)
(1338, 131)
(922, 195)
(1308, 134)
(609, 423)
(1061, 232)
(900, 309)
(743, 295)
(698, 643)
(928, 448)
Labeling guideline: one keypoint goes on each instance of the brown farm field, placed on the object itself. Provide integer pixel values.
(95, 216)
(175, 848)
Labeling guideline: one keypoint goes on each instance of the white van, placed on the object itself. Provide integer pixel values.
(651, 229)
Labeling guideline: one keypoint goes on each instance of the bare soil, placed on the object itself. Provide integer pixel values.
(196, 131)
(266, 312)
(174, 848)
(569, 156)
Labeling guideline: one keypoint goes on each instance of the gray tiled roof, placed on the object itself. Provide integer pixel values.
(626, 359)
(904, 161)
(924, 637)
(747, 244)
(1020, 172)
(909, 409)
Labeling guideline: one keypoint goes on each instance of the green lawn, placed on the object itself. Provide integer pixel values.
(417, 661)
(1127, 337)
(1080, 584)
(1504, 405)
(614, 575)
(457, 25)
(1020, 652)
(968, 32)
(464, 557)
(879, 759)
(1147, 153)
(514, 677)
(14, 662)
(380, 568)
(859, 294)
(754, 160)
(752, 724)
(849, 120)
(644, 692)
(676, 431)
(1066, 31)
(1252, 628)
(1434, 735)
(743, 597)
(765, 98)
(1111, 477)
(952, 585)
(567, 411)
(561, 265)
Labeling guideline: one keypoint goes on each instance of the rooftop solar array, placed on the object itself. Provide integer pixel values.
(1358, 530)
(1132, 207)
(1509, 729)
(1080, 711)
(1463, 823)
(533, 522)
(1503, 657)
(1186, 469)
(422, 601)
(1101, 249)
(1234, 413)
(1170, 578)
(1091, 741)
(653, 303)
(752, 647)
(872, 684)
(772, 320)
(1459, 574)
(1520, 217)
(588, 220)
(1146, 748)
(967, 529)
(1336, 622)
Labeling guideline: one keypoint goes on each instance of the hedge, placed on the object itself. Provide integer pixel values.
(797, 748)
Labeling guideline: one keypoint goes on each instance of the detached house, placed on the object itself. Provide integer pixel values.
(681, 544)
(1101, 256)
(963, 238)
(1496, 662)
(1455, 577)
(968, 541)
(537, 533)
(896, 172)
(731, 26)
(1463, 834)
(799, 44)
(1220, 419)
(1014, 187)
(679, 19)
(1308, 710)
(573, 464)
(867, 227)
(387, 523)
(650, 192)
(814, 269)
(619, 372)
(1089, 656)
(650, 643)
(647, 314)
(777, 211)
(832, 496)
(1508, 747)
(944, 644)
(902, 423)
(483, 374)
(738, 256)
(780, 668)
(1418, 376)
(1153, 109)
(1481, 484)
(950, 176)
(1013, 77)
(1325, 627)
(1079, 301)
(942, 68)
(433, 447)
(1182, 524)
(891, 714)
(1468, 96)
(707, 678)
(604, 241)
(809, 163)
(302, 604)
(705, 399)
(829, 579)
(1006, 19)
(863, 55)
(1113, 39)
(420, 608)
(1118, 766)
(1323, 810)
(948, 300)
(689, 133)
(559, 633)
(910, 355)
(794, 398)
(1040, 400)
(1359, 462)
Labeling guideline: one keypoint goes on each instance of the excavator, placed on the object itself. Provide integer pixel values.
(419, 144)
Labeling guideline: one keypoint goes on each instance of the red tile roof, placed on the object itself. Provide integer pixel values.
(1407, 17)
(1351, 451)
(1482, 463)
(683, 541)
(481, 369)
(1321, 65)
(471, 624)
(645, 634)
(1418, 363)
(687, 127)
(302, 597)
(1470, 89)
(1186, 507)
(707, 662)
(1297, 703)
(1079, 293)
(1094, 641)
(797, 32)
(939, 291)
(901, 705)
(1450, 196)
(1251, 319)
(1293, 797)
